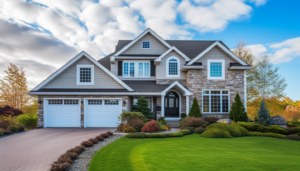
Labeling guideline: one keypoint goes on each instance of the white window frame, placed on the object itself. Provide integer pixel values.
(137, 97)
(178, 67)
(136, 68)
(209, 101)
(223, 70)
(143, 45)
(78, 74)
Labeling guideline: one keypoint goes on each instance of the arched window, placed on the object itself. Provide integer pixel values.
(173, 67)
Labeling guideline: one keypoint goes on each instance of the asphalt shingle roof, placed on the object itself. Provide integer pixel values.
(145, 86)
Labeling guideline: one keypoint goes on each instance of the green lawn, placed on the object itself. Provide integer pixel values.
(193, 152)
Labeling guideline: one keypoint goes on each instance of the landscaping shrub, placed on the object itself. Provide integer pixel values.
(136, 135)
(4, 124)
(237, 110)
(60, 167)
(191, 129)
(142, 106)
(162, 120)
(77, 149)
(129, 130)
(127, 116)
(138, 127)
(100, 138)
(199, 130)
(293, 137)
(151, 126)
(134, 122)
(263, 114)
(156, 135)
(1, 133)
(93, 140)
(161, 126)
(64, 159)
(293, 124)
(30, 121)
(221, 130)
(185, 132)
(268, 135)
(183, 115)
(211, 120)
(21, 128)
(195, 109)
(13, 128)
(71, 155)
(175, 134)
(253, 127)
(122, 126)
(87, 144)
(216, 133)
(167, 127)
(105, 135)
(110, 133)
(192, 122)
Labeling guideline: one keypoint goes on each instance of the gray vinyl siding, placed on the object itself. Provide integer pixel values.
(161, 69)
(216, 53)
(114, 70)
(156, 47)
(68, 79)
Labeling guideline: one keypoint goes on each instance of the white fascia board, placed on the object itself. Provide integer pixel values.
(148, 30)
(187, 92)
(185, 68)
(137, 58)
(241, 67)
(170, 50)
(96, 93)
(229, 52)
(72, 61)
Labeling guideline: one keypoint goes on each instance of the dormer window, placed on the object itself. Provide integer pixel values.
(146, 45)
(85, 75)
(173, 65)
(215, 69)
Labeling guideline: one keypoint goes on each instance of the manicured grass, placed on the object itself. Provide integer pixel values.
(193, 152)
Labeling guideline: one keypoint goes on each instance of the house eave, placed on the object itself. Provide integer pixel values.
(185, 68)
(241, 67)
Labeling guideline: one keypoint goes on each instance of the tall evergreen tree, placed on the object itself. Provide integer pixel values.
(237, 111)
(195, 110)
(142, 106)
(263, 113)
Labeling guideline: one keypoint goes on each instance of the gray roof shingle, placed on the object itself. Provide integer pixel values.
(145, 86)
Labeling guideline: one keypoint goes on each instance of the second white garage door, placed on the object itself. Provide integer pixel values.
(102, 112)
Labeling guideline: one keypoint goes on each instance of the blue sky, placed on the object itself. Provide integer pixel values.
(41, 35)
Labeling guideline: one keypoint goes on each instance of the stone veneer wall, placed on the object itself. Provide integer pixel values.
(197, 80)
(41, 107)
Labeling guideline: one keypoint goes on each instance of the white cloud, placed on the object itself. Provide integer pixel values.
(215, 16)
(258, 50)
(259, 2)
(286, 50)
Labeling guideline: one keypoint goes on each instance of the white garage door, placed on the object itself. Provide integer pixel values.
(62, 113)
(102, 112)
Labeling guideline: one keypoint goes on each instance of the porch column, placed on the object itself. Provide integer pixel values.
(187, 99)
(163, 105)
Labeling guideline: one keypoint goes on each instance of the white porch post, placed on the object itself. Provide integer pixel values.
(163, 105)
(187, 99)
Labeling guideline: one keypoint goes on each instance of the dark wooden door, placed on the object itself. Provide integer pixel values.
(172, 105)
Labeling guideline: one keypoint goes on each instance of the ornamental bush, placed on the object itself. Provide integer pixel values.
(293, 124)
(253, 127)
(199, 130)
(268, 135)
(192, 122)
(105, 135)
(293, 137)
(151, 126)
(183, 115)
(138, 127)
(100, 138)
(129, 130)
(87, 144)
(211, 120)
(136, 135)
(237, 110)
(142, 107)
(195, 109)
(93, 140)
(216, 133)
(1, 133)
(162, 120)
(263, 114)
(134, 122)
(191, 129)
(13, 128)
(30, 121)
(123, 126)
(221, 130)
(127, 116)
(21, 128)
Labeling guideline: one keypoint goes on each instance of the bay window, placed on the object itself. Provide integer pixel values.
(139, 69)
(215, 101)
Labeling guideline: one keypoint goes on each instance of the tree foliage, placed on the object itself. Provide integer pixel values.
(195, 110)
(142, 106)
(237, 111)
(263, 113)
(8, 111)
(13, 88)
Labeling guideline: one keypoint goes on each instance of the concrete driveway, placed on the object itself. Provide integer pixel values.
(36, 150)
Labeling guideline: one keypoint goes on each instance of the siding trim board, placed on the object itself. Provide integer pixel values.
(173, 48)
(71, 62)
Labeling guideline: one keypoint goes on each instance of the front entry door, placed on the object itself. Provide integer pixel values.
(172, 105)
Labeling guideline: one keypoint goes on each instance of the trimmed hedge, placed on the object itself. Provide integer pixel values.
(132, 115)
(13, 128)
(221, 130)
(192, 122)
(293, 137)
(268, 135)
(157, 135)
(293, 124)
(199, 130)
(253, 127)
(191, 129)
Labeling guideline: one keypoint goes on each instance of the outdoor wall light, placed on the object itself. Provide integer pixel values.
(81, 103)
(40, 102)
(124, 103)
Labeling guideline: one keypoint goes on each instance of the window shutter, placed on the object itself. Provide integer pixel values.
(120, 68)
(152, 68)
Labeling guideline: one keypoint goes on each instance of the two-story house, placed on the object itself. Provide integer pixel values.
(169, 73)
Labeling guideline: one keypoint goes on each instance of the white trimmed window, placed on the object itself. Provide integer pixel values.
(216, 69)
(146, 45)
(85, 74)
(215, 101)
(173, 65)
(149, 99)
(139, 69)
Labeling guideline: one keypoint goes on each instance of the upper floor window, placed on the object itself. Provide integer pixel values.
(146, 45)
(85, 75)
(173, 67)
(216, 69)
(136, 69)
